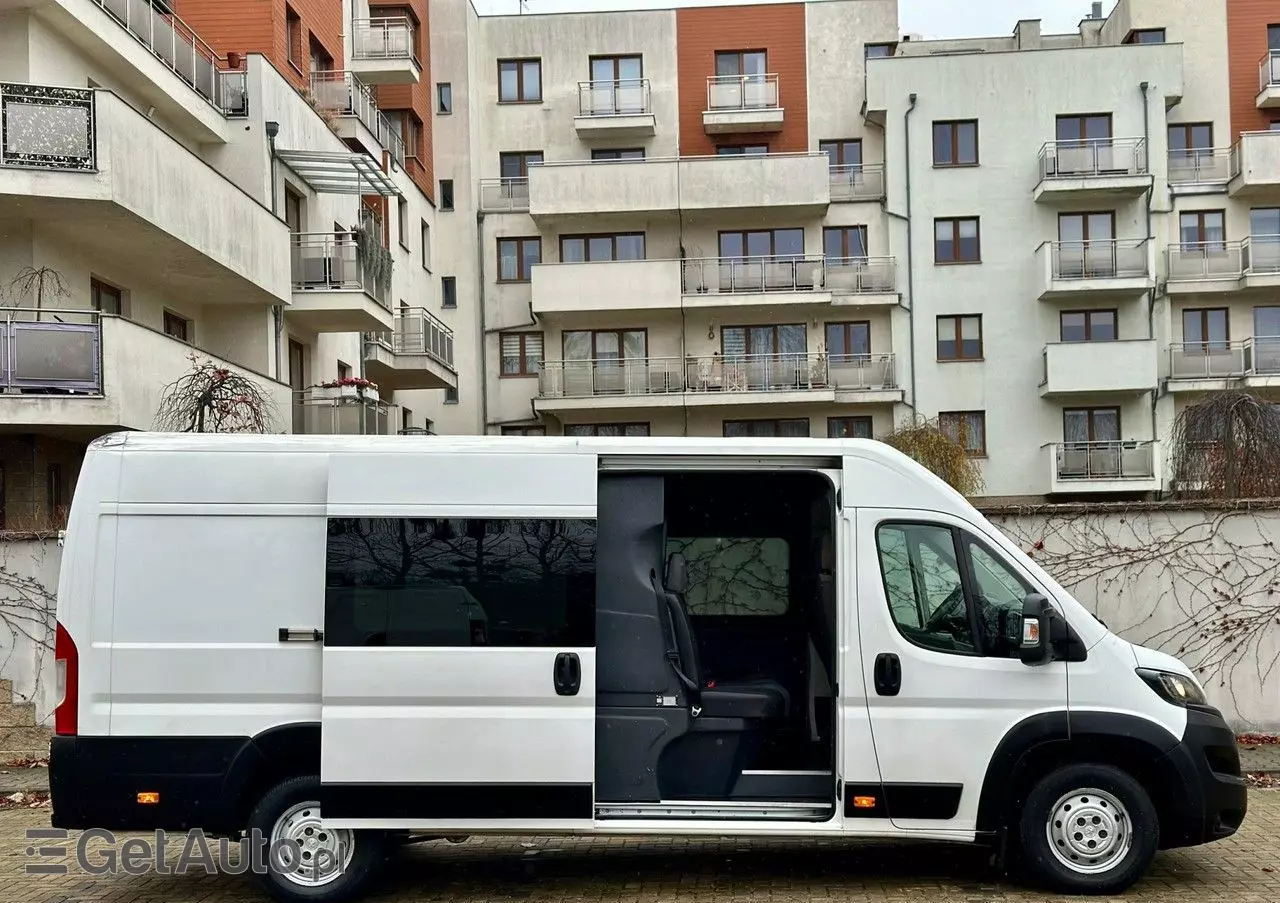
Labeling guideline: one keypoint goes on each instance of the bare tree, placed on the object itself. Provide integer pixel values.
(37, 283)
(210, 398)
(1227, 447)
(929, 444)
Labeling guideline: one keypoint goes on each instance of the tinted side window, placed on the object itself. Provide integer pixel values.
(923, 584)
(460, 582)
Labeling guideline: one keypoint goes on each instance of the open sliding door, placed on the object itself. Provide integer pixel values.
(459, 671)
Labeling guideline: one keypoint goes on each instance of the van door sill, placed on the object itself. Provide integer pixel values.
(744, 810)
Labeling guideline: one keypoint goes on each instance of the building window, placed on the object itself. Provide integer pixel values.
(955, 143)
(524, 430)
(781, 243)
(1145, 36)
(604, 153)
(293, 210)
(1075, 229)
(1207, 329)
(607, 429)
(739, 150)
(605, 69)
(607, 346)
(426, 246)
(521, 353)
(320, 59)
(450, 394)
(1264, 223)
(1084, 127)
(844, 243)
(520, 81)
(1088, 325)
(1189, 140)
(177, 326)
(402, 222)
(446, 194)
(968, 428)
(849, 428)
(1202, 230)
(412, 137)
(849, 343)
(1091, 425)
(516, 258)
(515, 164)
(877, 51)
(960, 338)
(742, 62)
(344, 370)
(449, 292)
(293, 32)
(786, 339)
(106, 298)
(591, 248)
(444, 98)
(406, 420)
(843, 154)
(796, 428)
(957, 241)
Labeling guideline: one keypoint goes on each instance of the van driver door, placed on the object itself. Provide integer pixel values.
(459, 673)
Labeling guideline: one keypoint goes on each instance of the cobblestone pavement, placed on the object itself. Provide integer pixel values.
(1264, 757)
(1242, 869)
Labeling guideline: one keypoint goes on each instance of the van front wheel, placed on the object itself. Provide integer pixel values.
(302, 860)
(1088, 829)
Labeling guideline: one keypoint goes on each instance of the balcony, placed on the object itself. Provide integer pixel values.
(1127, 367)
(1129, 466)
(1199, 171)
(1255, 166)
(382, 51)
(1104, 170)
(79, 373)
(336, 287)
(1204, 366)
(1071, 270)
(850, 184)
(504, 195)
(1269, 81)
(714, 380)
(330, 412)
(416, 354)
(729, 281)
(347, 103)
(560, 288)
(742, 103)
(87, 164)
(1260, 255)
(615, 109)
(1200, 267)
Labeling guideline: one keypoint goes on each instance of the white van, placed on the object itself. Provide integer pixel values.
(347, 642)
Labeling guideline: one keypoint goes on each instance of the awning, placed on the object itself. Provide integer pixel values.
(339, 173)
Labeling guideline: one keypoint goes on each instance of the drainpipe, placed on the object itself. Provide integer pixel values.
(1151, 293)
(911, 258)
(484, 332)
(277, 311)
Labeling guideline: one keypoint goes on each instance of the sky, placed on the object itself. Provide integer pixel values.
(929, 18)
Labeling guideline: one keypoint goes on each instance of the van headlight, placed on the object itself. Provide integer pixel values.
(1174, 688)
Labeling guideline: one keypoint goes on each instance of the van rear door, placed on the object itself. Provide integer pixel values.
(459, 650)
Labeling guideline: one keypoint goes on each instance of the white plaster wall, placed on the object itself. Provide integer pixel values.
(26, 653)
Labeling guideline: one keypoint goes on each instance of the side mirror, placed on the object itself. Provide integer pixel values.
(677, 579)
(1036, 645)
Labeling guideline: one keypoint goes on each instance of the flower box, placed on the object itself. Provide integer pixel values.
(344, 393)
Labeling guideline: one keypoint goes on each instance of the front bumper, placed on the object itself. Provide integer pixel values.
(1215, 798)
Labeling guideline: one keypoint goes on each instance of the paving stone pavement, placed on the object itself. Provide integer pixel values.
(1264, 757)
(1242, 869)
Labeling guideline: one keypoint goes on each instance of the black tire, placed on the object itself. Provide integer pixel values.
(1036, 855)
(367, 848)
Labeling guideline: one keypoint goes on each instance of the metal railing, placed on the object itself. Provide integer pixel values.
(415, 331)
(845, 275)
(621, 97)
(504, 195)
(343, 94)
(321, 412)
(863, 182)
(799, 372)
(326, 262)
(232, 88)
(1094, 157)
(383, 39)
(1203, 260)
(1257, 356)
(48, 128)
(1269, 71)
(742, 92)
(1120, 460)
(1100, 258)
(1200, 167)
(1260, 255)
(50, 352)
(389, 137)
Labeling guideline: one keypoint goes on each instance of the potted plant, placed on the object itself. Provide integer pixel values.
(347, 388)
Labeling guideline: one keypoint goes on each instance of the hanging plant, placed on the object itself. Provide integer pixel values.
(374, 258)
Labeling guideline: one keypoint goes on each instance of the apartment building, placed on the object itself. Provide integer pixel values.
(253, 192)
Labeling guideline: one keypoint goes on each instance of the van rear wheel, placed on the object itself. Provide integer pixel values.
(305, 861)
(1088, 829)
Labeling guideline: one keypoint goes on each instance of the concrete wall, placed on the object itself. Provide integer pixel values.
(28, 584)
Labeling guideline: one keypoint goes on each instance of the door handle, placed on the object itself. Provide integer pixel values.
(888, 674)
(568, 674)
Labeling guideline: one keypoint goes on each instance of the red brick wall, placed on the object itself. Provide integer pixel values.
(418, 99)
(1247, 22)
(777, 29)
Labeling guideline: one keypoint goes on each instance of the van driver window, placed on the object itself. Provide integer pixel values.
(735, 576)
(460, 582)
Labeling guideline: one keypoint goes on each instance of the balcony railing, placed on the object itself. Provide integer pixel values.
(318, 412)
(1257, 356)
(47, 128)
(343, 94)
(50, 352)
(1100, 259)
(1260, 255)
(1205, 260)
(382, 39)
(857, 183)
(742, 92)
(1122, 460)
(1269, 71)
(233, 93)
(325, 262)
(1094, 158)
(623, 97)
(798, 372)
(174, 43)
(746, 275)
(417, 332)
(1200, 167)
(504, 195)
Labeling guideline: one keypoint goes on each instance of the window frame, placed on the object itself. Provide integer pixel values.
(1081, 119)
(1089, 411)
(890, 48)
(293, 38)
(596, 427)
(450, 394)
(776, 421)
(956, 222)
(1207, 344)
(447, 199)
(522, 340)
(535, 429)
(837, 159)
(1085, 217)
(773, 244)
(953, 127)
(523, 157)
(960, 356)
(1201, 218)
(587, 238)
(848, 329)
(1135, 36)
(616, 59)
(402, 222)
(444, 295)
(173, 319)
(520, 241)
(98, 289)
(775, 331)
(866, 419)
(424, 230)
(1187, 129)
(741, 57)
(845, 232)
(741, 150)
(615, 154)
(595, 334)
(972, 453)
(1088, 314)
(519, 63)
(444, 98)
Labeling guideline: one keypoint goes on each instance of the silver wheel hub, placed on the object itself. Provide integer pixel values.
(304, 851)
(1089, 831)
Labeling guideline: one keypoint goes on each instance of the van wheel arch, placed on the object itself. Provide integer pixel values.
(278, 753)
(1039, 744)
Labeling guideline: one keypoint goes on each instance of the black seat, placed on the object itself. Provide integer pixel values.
(756, 699)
